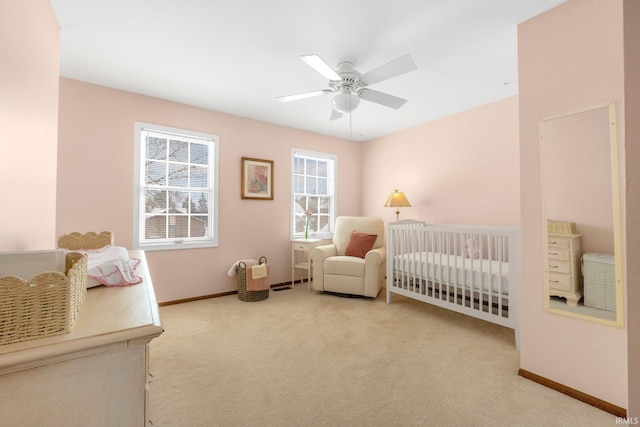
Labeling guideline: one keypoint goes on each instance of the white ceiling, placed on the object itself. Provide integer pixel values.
(237, 56)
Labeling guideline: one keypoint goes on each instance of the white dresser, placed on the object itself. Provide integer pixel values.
(97, 375)
(563, 264)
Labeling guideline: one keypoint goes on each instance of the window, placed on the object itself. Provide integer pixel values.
(313, 178)
(176, 194)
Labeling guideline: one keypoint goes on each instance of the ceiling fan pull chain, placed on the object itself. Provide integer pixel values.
(350, 123)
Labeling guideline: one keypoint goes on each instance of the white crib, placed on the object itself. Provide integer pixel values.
(474, 270)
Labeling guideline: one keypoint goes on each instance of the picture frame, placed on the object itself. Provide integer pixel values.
(257, 179)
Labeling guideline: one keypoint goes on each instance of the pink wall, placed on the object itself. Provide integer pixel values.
(461, 169)
(95, 183)
(632, 159)
(569, 58)
(29, 51)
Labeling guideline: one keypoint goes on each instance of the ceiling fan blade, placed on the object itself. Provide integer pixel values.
(335, 114)
(382, 98)
(399, 66)
(318, 64)
(304, 95)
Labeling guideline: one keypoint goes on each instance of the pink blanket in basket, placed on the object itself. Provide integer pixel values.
(258, 277)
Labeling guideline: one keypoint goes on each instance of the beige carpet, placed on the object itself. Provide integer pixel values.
(303, 358)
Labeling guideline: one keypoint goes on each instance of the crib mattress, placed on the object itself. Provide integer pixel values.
(456, 270)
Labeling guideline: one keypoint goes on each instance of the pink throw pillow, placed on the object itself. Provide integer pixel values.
(359, 244)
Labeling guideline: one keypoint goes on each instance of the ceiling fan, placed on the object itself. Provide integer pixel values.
(350, 85)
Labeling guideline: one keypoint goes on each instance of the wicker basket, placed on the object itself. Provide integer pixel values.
(243, 294)
(561, 227)
(599, 281)
(46, 305)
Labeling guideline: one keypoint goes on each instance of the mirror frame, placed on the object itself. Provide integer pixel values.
(615, 193)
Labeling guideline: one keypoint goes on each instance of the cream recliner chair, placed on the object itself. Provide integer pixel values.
(333, 271)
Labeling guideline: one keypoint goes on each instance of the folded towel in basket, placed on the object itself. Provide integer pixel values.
(261, 283)
(259, 271)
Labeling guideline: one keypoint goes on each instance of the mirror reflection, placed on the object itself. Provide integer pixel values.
(581, 215)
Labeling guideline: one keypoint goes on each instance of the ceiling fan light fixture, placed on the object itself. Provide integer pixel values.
(349, 85)
(345, 102)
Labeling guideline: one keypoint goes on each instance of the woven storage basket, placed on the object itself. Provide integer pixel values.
(599, 281)
(243, 294)
(46, 305)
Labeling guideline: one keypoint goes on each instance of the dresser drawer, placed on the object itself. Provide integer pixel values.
(558, 242)
(558, 266)
(559, 254)
(301, 246)
(559, 281)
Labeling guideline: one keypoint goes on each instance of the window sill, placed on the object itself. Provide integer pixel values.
(175, 246)
(314, 236)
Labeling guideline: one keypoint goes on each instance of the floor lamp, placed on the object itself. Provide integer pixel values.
(397, 200)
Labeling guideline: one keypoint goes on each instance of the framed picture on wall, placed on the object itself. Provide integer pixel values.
(257, 179)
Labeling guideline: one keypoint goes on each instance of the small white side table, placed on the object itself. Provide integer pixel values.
(304, 246)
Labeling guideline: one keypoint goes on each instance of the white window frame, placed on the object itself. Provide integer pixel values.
(139, 215)
(297, 214)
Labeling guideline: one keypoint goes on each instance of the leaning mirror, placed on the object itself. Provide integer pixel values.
(581, 215)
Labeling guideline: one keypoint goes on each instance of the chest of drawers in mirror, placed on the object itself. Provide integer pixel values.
(563, 264)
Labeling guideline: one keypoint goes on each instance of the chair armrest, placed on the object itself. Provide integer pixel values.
(323, 252)
(318, 255)
(375, 267)
(375, 257)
